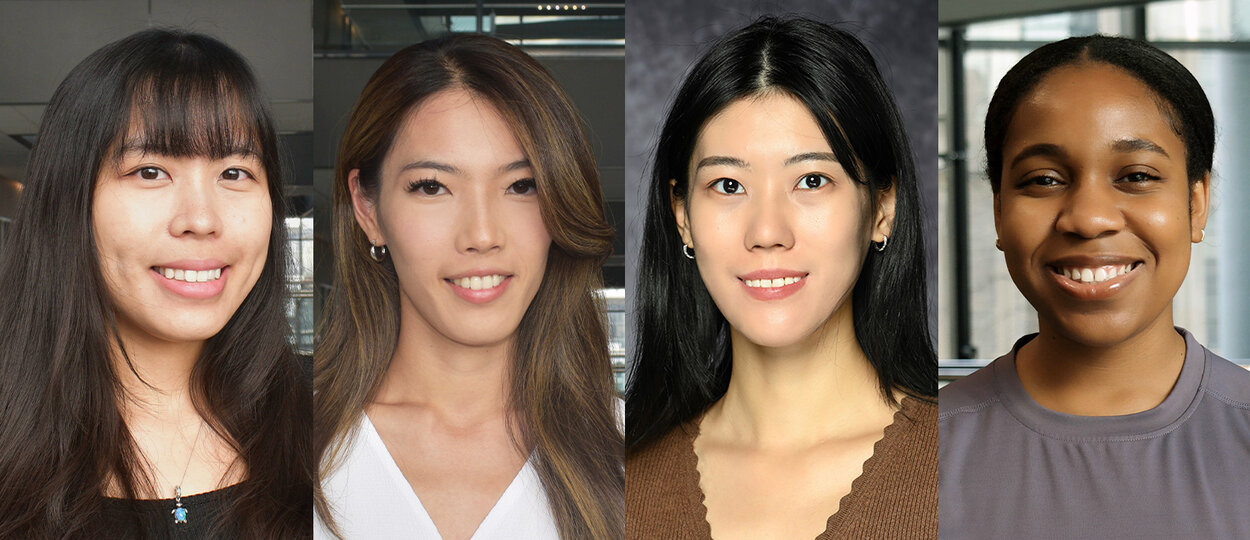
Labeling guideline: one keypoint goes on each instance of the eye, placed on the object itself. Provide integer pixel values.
(427, 187)
(727, 186)
(235, 173)
(1139, 177)
(151, 173)
(525, 186)
(812, 181)
(1040, 180)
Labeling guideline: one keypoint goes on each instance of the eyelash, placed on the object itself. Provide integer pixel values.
(425, 186)
(244, 173)
(824, 180)
(721, 185)
(530, 186)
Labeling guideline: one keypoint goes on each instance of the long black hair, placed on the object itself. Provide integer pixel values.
(681, 363)
(63, 439)
(1181, 100)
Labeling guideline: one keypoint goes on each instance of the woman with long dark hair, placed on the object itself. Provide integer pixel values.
(146, 379)
(1110, 422)
(462, 377)
(784, 377)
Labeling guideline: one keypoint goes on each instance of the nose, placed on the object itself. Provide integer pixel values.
(768, 223)
(196, 207)
(480, 227)
(1091, 209)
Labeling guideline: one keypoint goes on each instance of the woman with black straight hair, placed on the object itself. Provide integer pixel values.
(782, 337)
(146, 378)
(1110, 421)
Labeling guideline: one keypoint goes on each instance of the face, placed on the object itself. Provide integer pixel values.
(779, 230)
(458, 209)
(181, 241)
(1094, 211)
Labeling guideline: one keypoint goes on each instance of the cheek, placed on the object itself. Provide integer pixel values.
(252, 220)
(529, 232)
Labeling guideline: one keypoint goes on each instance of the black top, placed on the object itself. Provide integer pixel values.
(153, 518)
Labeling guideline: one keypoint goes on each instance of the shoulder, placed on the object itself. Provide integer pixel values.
(1227, 381)
(662, 457)
(970, 394)
(661, 486)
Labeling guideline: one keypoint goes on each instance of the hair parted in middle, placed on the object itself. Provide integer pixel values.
(681, 360)
(561, 390)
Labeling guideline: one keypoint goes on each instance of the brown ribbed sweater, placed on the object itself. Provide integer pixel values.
(896, 496)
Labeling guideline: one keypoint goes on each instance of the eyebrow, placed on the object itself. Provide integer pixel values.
(811, 156)
(735, 162)
(143, 148)
(1041, 149)
(1128, 146)
(1121, 146)
(451, 169)
(711, 161)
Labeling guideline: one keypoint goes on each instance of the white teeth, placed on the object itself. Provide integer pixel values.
(478, 283)
(771, 283)
(190, 276)
(1096, 275)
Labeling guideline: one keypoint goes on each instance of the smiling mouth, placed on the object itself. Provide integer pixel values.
(1094, 274)
(477, 283)
(772, 283)
(189, 276)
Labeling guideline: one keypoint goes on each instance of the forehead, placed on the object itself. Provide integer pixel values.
(457, 127)
(1088, 107)
(771, 127)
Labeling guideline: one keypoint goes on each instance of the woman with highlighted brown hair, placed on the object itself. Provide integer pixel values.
(463, 382)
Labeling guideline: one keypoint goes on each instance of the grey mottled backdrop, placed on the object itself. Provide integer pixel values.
(663, 39)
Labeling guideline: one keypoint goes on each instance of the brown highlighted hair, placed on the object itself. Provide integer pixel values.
(561, 391)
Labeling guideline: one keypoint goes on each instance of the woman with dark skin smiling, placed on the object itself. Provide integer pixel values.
(1109, 422)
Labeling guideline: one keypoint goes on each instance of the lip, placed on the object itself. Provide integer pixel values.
(773, 293)
(1093, 291)
(193, 291)
(480, 296)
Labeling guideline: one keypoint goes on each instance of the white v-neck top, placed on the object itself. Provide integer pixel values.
(372, 500)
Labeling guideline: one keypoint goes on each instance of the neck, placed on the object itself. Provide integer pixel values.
(159, 384)
(455, 380)
(803, 393)
(1126, 377)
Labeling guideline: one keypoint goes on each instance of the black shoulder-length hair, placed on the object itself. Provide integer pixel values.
(1180, 97)
(62, 437)
(681, 361)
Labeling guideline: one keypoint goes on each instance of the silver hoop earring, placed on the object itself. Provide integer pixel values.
(687, 251)
(1202, 235)
(376, 252)
(885, 241)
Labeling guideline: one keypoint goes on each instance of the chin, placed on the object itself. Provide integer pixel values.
(1098, 330)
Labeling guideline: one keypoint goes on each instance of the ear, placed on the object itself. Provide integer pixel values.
(883, 222)
(1199, 207)
(998, 231)
(365, 209)
(679, 212)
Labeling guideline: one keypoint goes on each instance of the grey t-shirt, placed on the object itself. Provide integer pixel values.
(1010, 468)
